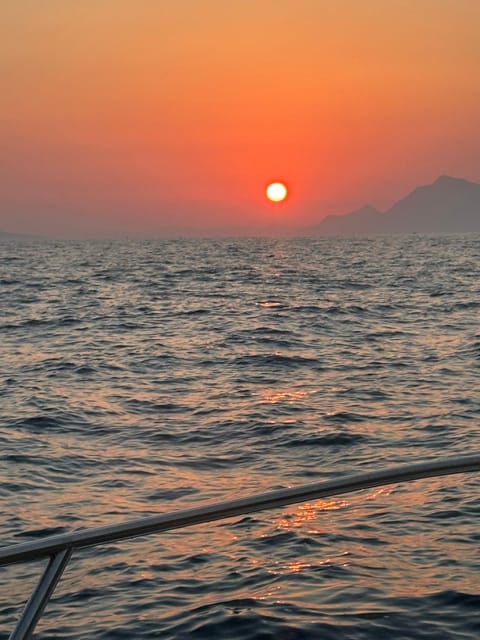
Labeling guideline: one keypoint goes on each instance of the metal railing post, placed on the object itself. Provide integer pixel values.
(40, 597)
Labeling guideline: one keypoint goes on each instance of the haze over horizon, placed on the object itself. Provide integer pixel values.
(148, 118)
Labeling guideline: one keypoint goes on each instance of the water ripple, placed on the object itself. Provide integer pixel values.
(140, 378)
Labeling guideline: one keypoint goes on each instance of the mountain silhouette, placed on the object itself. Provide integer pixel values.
(448, 205)
(351, 223)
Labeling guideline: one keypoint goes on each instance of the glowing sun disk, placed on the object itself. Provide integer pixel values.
(276, 191)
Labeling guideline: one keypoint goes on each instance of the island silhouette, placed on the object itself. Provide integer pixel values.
(448, 205)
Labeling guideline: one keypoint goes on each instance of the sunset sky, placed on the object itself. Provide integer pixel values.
(166, 117)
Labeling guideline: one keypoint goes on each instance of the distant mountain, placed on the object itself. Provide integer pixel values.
(448, 205)
(352, 223)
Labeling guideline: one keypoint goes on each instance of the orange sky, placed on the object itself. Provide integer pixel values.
(170, 116)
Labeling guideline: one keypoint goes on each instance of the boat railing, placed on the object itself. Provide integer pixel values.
(59, 548)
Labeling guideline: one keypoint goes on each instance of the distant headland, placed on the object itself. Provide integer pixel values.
(448, 205)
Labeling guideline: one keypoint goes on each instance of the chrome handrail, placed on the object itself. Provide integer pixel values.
(60, 547)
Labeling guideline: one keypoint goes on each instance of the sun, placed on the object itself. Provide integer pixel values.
(276, 191)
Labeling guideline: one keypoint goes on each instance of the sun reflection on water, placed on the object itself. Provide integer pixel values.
(274, 397)
(308, 512)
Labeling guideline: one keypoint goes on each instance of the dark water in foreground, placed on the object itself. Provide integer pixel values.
(142, 378)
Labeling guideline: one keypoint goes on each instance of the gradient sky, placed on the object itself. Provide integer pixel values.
(160, 117)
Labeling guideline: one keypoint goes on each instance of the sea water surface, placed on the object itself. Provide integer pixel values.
(144, 377)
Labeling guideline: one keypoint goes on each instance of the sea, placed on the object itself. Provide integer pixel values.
(143, 377)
